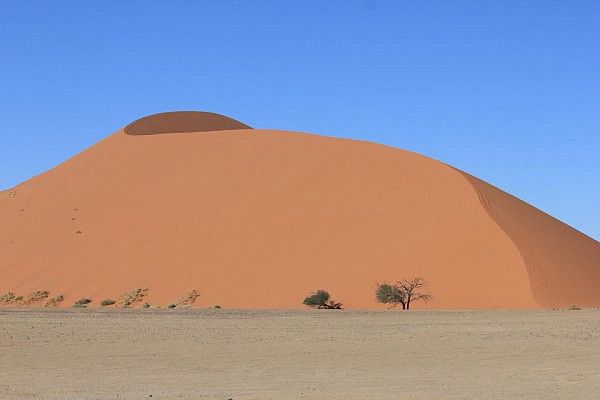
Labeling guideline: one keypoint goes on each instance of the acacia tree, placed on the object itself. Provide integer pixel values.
(413, 288)
(403, 292)
(322, 299)
(390, 294)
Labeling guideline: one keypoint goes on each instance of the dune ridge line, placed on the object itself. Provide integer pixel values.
(182, 121)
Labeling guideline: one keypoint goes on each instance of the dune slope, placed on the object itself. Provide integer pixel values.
(259, 218)
(562, 263)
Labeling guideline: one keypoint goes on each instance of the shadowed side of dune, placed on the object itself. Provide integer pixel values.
(182, 121)
(563, 264)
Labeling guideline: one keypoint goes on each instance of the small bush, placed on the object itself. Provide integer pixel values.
(171, 306)
(217, 306)
(321, 299)
(55, 301)
(8, 298)
(107, 302)
(82, 302)
(40, 294)
(146, 305)
(188, 298)
(135, 296)
(33, 297)
(574, 307)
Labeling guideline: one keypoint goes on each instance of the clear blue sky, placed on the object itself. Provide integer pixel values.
(506, 90)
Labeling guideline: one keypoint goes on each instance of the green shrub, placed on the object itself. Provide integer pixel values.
(389, 294)
(574, 307)
(321, 299)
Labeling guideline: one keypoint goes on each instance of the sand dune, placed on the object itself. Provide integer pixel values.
(255, 218)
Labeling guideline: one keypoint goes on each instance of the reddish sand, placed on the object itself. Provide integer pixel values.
(259, 218)
(563, 265)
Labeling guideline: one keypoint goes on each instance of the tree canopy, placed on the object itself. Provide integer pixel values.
(322, 299)
(403, 292)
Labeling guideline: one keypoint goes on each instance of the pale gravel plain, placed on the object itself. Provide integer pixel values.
(223, 354)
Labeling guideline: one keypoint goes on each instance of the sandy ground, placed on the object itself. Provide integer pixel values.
(223, 354)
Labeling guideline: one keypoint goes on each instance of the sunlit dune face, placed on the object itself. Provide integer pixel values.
(253, 218)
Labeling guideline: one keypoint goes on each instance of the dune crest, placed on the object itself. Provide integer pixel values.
(261, 220)
(182, 121)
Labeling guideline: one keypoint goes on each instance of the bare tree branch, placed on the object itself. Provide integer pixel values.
(403, 292)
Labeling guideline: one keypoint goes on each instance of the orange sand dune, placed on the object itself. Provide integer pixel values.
(259, 218)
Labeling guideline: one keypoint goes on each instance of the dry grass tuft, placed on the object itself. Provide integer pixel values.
(130, 298)
(55, 301)
(8, 298)
(188, 298)
(32, 298)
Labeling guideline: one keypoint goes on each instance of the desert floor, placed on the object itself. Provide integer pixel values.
(223, 354)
